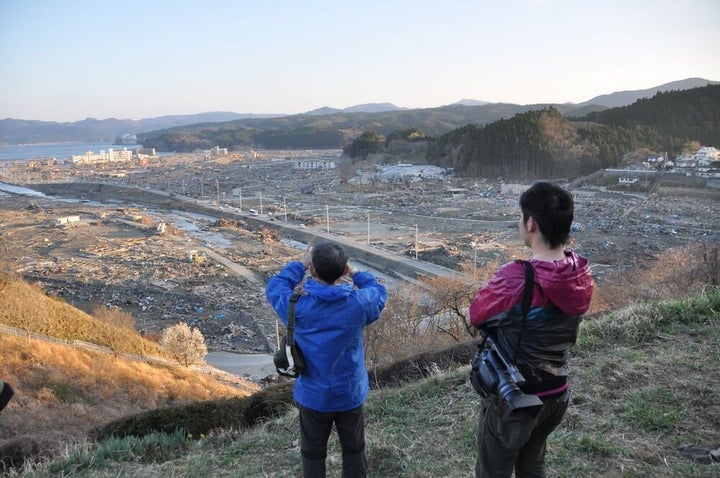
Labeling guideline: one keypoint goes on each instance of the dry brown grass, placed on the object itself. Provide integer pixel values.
(59, 388)
(63, 392)
(675, 274)
(26, 307)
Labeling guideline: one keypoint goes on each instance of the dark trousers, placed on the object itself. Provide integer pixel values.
(517, 443)
(315, 428)
(6, 393)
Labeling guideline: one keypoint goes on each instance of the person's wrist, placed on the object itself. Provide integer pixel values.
(353, 271)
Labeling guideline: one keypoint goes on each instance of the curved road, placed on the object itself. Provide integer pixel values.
(256, 366)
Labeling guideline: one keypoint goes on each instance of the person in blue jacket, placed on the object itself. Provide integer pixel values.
(329, 321)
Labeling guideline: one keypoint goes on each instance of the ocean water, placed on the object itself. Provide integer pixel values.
(24, 152)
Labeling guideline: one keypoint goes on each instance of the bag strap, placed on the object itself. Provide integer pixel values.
(291, 320)
(529, 289)
(528, 292)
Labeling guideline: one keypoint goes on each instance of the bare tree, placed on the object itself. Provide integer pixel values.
(117, 325)
(447, 307)
(399, 332)
(186, 345)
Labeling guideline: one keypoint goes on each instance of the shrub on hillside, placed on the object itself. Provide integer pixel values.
(202, 417)
(184, 344)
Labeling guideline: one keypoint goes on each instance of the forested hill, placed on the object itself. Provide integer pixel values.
(691, 114)
(543, 143)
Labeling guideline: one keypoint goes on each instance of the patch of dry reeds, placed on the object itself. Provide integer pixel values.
(674, 274)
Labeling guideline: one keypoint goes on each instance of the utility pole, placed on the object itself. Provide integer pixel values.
(327, 217)
(416, 242)
(368, 235)
(260, 202)
(474, 261)
(285, 208)
(217, 187)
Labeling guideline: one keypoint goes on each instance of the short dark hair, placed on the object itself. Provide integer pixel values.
(552, 208)
(329, 260)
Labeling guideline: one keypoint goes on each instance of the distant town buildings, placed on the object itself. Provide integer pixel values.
(628, 181)
(112, 156)
(707, 155)
(705, 163)
(315, 164)
(145, 152)
(216, 151)
(103, 156)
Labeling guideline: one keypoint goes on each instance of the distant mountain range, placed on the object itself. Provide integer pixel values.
(366, 108)
(624, 98)
(15, 131)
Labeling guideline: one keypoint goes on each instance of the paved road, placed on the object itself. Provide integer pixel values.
(257, 366)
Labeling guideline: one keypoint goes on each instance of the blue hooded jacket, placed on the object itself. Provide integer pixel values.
(329, 322)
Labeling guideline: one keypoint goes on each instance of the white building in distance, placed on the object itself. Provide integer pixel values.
(707, 155)
(102, 157)
(315, 164)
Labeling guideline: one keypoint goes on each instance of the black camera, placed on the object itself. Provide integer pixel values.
(493, 374)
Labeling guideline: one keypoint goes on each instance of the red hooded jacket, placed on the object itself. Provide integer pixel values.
(539, 346)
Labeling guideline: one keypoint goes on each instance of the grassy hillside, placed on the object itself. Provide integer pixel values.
(645, 378)
(63, 392)
(27, 307)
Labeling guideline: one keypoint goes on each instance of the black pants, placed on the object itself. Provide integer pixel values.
(315, 428)
(506, 444)
(6, 393)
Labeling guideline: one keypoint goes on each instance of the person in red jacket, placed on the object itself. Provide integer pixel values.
(538, 344)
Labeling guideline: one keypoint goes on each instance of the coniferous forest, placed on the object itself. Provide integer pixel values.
(543, 143)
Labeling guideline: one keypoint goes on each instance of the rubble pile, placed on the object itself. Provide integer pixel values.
(154, 278)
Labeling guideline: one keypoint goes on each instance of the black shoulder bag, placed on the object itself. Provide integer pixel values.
(288, 359)
(483, 374)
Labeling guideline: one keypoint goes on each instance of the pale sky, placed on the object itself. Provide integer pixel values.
(66, 60)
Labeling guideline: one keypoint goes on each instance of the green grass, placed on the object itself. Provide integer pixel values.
(154, 448)
(648, 383)
(653, 409)
(67, 393)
